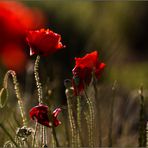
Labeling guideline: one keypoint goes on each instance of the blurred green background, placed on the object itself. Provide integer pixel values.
(118, 30)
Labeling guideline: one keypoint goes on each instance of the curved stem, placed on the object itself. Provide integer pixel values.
(17, 92)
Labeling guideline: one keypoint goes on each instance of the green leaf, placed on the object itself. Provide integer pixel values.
(3, 97)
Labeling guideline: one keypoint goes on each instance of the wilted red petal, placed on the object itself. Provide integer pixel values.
(40, 113)
(44, 42)
(55, 113)
(99, 68)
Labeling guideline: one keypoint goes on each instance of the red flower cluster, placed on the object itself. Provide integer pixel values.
(40, 113)
(44, 42)
(15, 20)
(83, 70)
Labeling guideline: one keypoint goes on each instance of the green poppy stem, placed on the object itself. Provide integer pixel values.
(37, 79)
(91, 116)
(78, 120)
(98, 109)
(55, 136)
(69, 96)
(147, 135)
(17, 92)
(110, 136)
(142, 120)
(36, 126)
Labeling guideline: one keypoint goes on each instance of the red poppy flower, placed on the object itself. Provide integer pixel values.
(40, 113)
(83, 70)
(14, 57)
(15, 19)
(44, 42)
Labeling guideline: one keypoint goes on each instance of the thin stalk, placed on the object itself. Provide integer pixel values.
(88, 126)
(36, 126)
(78, 120)
(142, 120)
(55, 137)
(98, 110)
(147, 135)
(66, 129)
(91, 115)
(45, 135)
(17, 92)
(111, 116)
(53, 141)
(37, 79)
(8, 134)
(69, 96)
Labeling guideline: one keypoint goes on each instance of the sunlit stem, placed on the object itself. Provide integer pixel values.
(69, 96)
(55, 139)
(42, 135)
(142, 120)
(36, 126)
(37, 79)
(111, 116)
(17, 92)
(91, 115)
(78, 120)
(147, 135)
(55, 136)
(87, 118)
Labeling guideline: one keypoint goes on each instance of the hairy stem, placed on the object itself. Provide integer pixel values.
(111, 116)
(37, 79)
(36, 126)
(142, 120)
(98, 110)
(91, 116)
(69, 96)
(78, 121)
(147, 134)
(17, 92)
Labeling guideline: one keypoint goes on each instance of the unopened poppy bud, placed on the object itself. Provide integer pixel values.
(23, 132)
(69, 92)
(67, 83)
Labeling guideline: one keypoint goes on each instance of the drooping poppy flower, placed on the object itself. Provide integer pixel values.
(44, 42)
(40, 113)
(83, 70)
